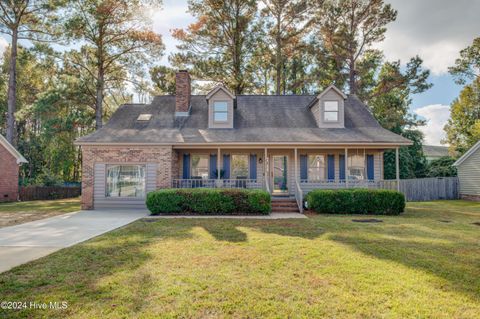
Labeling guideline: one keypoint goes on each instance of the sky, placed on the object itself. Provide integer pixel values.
(436, 30)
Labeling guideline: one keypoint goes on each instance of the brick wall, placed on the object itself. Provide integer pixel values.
(8, 176)
(164, 156)
(182, 91)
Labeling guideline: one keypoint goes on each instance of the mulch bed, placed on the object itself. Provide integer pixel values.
(367, 220)
(149, 220)
(476, 223)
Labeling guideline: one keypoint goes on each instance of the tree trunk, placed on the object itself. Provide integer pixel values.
(12, 89)
(99, 99)
(278, 58)
(351, 78)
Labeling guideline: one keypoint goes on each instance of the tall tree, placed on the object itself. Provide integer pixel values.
(388, 93)
(28, 20)
(463, 126)
(118, 37)
(348, 28)
(163, 78)
(287, 22)
(387, 89)
(218, 45)
(467, 66)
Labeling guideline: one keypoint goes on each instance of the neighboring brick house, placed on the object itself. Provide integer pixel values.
(286, 145)
(468, 168)
(10, 161)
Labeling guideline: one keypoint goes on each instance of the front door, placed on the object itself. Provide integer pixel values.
(279, 174)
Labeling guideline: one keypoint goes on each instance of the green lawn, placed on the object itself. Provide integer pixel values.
(21, 212)
(412, 266)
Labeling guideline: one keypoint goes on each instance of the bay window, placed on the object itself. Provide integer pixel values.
(125, 181)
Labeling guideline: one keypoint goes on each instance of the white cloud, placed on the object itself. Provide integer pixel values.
(3, 45)
(436, 30)
(436, 116)
(173, 15)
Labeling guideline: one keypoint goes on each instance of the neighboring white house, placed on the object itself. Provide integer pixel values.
(468, 167)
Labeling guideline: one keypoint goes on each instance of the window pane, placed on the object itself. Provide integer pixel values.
(239, 166)
(200, 167)
(125, 181)
(331, 106)
(331, 116)
(220, 117)
(220, 106)
(316, 167)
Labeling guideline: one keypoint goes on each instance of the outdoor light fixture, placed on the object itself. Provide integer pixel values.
(260, 161)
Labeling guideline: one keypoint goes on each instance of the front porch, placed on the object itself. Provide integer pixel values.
(283, 171)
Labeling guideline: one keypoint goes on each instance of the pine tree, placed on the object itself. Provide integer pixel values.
(24, 20)
(119, 42)
(218, 45)
(348, 28)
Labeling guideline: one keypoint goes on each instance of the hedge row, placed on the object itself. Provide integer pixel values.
(356, 201)
(204, 201)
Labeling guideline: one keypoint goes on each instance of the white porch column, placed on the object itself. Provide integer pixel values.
(218, 163)
(397, 168)
(265, 168)
(296, 166)
(346, 167)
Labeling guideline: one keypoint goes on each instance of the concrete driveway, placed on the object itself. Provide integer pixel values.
(25, 242)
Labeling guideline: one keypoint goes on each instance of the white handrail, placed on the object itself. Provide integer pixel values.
(267, 184)
(299, 196)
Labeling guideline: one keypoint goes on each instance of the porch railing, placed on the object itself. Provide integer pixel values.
(217, 183)
(307, 185)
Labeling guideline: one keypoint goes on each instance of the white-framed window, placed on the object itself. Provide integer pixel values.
(220, 111)
(330, 113)
(356, 167)
(199, 167)
(239, 166)
(125, 181)
(316, 167)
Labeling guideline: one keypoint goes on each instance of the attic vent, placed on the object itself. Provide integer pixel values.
(144, 117)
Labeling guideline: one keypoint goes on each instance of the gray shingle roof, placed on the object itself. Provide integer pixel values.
(257, 119)
(435, 151)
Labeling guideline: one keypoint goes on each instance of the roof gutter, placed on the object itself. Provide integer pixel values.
(249, 144)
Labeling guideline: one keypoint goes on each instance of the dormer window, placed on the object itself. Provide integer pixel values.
(220, 111)
(331, 111)
(220, 107)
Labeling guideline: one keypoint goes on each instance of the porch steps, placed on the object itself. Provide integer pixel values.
(284, 205)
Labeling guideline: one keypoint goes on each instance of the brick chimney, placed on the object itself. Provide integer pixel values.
(182, 93)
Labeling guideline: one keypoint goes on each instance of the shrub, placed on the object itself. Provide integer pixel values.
(356, 201)
(205, 201)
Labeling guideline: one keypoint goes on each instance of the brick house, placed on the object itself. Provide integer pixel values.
(10, 161)
(286, 145)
